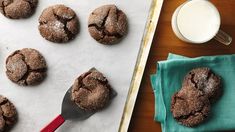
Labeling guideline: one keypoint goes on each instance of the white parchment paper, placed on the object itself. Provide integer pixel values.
(38, 105)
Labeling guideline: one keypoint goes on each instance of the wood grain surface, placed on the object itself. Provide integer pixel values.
(166, 42)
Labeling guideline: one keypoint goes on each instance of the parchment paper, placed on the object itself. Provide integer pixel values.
(38, 105)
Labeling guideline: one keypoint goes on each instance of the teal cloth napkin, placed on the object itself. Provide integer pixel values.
(168, 80)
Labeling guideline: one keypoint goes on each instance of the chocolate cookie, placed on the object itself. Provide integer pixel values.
(16, 9)
(190, 106)
(26, 67)
(8, 114)
(58, 23)
(205, 80)
(91, 91)
(107, 24)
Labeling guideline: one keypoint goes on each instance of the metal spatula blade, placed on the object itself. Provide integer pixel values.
(70, 111)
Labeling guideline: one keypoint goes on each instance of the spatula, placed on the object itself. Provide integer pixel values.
(71, 111)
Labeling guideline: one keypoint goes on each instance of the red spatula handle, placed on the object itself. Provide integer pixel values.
(53, 125)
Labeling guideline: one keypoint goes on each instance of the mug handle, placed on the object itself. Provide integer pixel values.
(223, 38)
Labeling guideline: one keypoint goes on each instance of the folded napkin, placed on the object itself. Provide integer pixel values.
(168, 80)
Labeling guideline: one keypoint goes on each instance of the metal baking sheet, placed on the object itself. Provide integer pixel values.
(150, 27)
(38, 105)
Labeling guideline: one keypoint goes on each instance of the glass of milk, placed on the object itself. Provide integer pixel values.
(198, 21)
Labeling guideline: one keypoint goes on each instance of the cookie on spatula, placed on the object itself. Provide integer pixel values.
(91, 91)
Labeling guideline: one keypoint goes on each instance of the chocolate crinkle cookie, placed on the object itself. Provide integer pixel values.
(91, 91)
(206, 81)
(16, 9)
(26, 67)
(58, 24)
(107, 24)
(8, 114)
(190, 106)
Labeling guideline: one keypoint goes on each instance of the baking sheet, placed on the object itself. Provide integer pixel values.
(151, 25)
(38, 105)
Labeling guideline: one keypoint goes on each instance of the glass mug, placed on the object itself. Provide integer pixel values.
(198, 21)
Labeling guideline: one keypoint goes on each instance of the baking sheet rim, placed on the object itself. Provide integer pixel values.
(146, 42)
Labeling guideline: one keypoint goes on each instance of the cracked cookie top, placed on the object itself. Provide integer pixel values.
(58, 24)
(16, 9)
(190, 106)
(8, 114)
(107, 24)
(26, 67)
(91, 91)
(206, 81)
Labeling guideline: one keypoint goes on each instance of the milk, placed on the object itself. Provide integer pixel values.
(198, 21)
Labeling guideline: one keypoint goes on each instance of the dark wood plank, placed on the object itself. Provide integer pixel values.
(165, 42)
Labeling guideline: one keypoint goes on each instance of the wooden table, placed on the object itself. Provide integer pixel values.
(166, 42)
